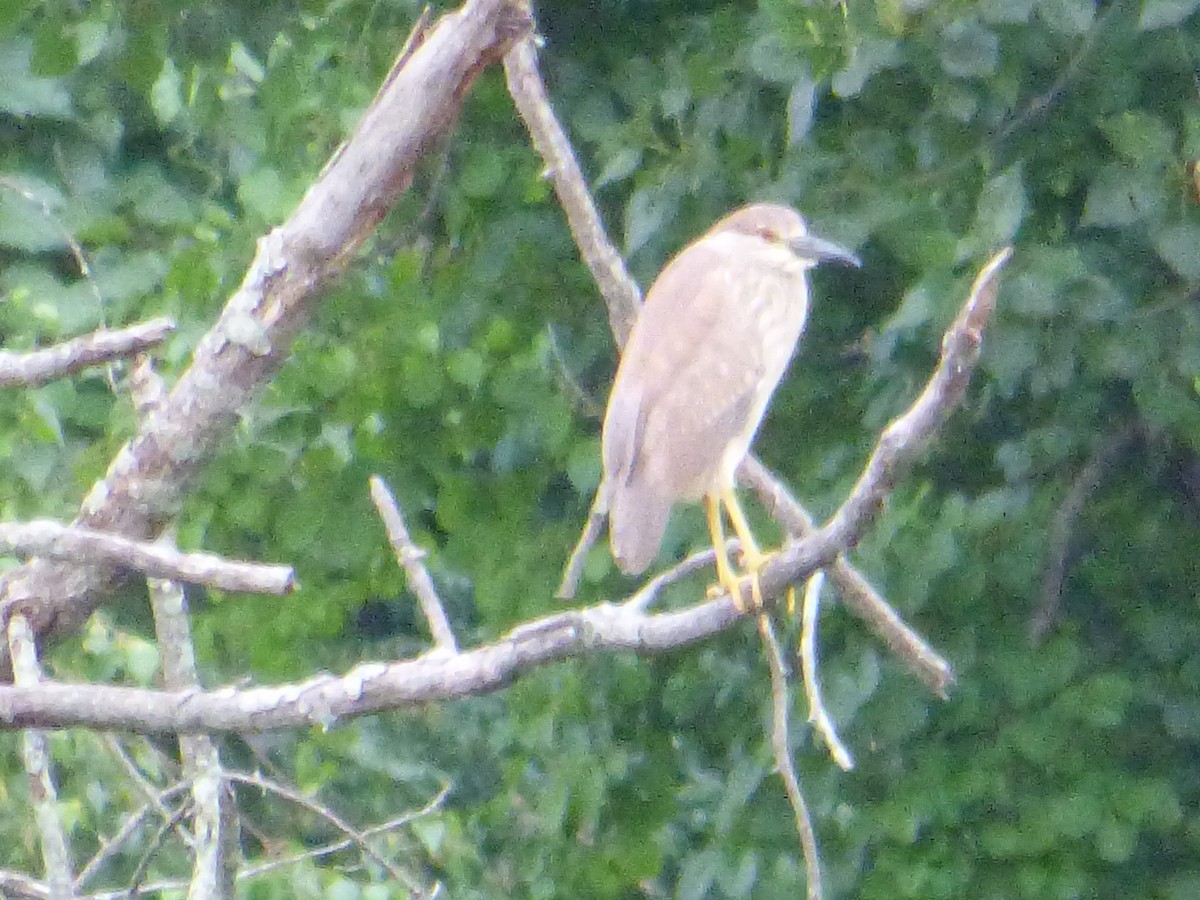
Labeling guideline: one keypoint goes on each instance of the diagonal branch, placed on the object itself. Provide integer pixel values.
(900, 442)
(374, 687)
(409, 555)
(294, 262)
(622, 297)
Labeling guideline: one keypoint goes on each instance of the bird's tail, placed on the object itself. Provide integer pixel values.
(637, 519)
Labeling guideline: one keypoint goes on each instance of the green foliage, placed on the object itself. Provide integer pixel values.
(465, 356)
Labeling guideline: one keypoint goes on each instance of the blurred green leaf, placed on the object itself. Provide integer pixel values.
(969, 50)
(1165, 13)
(24, 94)
(1068, 16)
(1179, 247)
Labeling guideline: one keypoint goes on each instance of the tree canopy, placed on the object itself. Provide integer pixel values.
(1046, 544)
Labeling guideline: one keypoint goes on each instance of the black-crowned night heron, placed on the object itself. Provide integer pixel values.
(709, 347)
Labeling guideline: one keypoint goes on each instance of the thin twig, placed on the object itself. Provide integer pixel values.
(56, 853)
(42, 366)
(337, 846)
(47, 538)
(175, 823)
(409, 555)
(149, 790)
(585, 404)
(357, 837)
(1063, 527)
(109, 847)
(68, 236)
(818, 716)
(782, 751)
(649, 591)
(573, 570)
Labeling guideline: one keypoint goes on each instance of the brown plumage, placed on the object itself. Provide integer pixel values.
(709, 347)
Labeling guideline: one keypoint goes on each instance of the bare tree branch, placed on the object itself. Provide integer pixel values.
(900, 442)
(42, 366)
(818, 716)
(592, 529)
(19, 886)
(409, 555)
(622, 297)
(146, 481)
(111, 846)
(44, 537)
(781, 748)
(56, 852)
(649, 591)
(336, 846)
(356, 837)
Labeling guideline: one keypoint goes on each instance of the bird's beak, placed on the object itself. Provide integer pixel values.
(820, 250)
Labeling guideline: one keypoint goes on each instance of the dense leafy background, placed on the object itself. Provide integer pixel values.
(465, 356)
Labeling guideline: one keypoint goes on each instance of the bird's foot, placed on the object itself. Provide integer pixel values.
(737, 586)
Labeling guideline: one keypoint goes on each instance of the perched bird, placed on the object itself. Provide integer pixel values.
(708, 348)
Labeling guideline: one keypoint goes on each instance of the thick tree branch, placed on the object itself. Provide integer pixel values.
(146, 482)
(373, 687)
(42, 366)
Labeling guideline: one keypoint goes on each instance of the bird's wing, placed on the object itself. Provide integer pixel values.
(692, 372)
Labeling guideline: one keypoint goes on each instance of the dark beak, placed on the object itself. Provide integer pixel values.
(820, 250)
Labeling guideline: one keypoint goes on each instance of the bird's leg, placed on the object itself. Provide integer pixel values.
(753, 559)
(726, 577)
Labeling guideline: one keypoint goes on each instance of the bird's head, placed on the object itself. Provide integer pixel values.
(782, 226)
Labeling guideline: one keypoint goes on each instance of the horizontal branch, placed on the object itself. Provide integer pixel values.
(42, 366)
(43, 537)
(367, 688)
(373, 687)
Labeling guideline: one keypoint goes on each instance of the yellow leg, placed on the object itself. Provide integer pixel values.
(750, 552)
(753, 558)
(726, 577)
